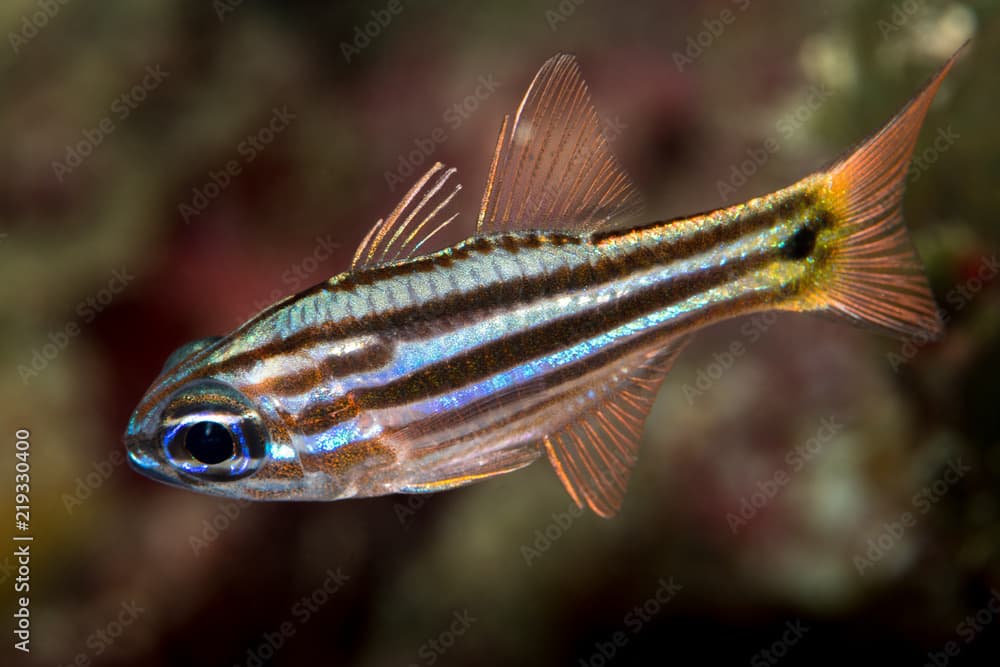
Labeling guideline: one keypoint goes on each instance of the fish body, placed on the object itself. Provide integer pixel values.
(547, 333)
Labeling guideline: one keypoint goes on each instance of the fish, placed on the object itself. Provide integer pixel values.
(545, 334)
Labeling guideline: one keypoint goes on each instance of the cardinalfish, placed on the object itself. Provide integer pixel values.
(545, 334)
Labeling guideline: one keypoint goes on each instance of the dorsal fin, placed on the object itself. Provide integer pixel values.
(552, 168)
(594, 454)
(420, 215)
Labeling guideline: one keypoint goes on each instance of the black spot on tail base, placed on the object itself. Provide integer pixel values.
(800, 244)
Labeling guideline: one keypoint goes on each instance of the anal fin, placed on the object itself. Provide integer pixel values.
(594, 454)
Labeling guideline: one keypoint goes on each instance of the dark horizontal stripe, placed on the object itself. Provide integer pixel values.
(771, 209)
(556, 379)
(485, 361)
(362, 462)
(434, 313)
(319, 417)
(486, 298)
(325, 416)
(366, 359)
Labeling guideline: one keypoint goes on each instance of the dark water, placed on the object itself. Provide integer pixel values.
(806, 492)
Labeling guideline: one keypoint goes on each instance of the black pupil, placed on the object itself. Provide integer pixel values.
(800, 245)
(209, 442)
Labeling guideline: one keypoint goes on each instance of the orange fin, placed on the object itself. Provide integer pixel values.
(876, 277)
(552, 168)
(594, 454)
(419, 216)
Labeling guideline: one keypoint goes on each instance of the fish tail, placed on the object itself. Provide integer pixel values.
(871, 274)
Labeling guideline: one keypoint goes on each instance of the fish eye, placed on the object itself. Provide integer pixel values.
(800, 244)
(208, 429)
(209, 442)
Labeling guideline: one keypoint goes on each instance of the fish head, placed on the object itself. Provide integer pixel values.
(202, 427)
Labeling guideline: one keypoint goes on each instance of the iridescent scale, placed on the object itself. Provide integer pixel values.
(549, 331)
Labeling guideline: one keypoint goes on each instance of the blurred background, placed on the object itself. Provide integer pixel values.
(806, 492)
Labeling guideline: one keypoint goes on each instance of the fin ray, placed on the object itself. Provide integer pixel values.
(593, 455)
(397, 237)
(552, 168)
(877, 278)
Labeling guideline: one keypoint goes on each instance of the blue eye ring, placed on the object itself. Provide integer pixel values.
(237, 435)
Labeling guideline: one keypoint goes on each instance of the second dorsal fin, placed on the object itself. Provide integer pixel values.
(552, 168)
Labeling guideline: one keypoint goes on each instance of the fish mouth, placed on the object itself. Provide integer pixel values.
(141, 462)
(148, 465)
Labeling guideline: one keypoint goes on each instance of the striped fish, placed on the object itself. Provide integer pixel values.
(545, 334)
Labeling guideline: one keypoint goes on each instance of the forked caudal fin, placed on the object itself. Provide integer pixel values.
(553, 171)
(875, 277)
